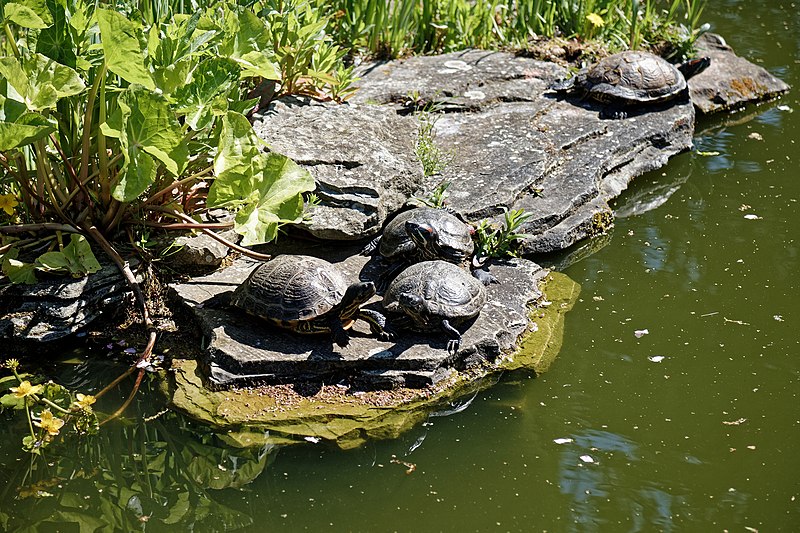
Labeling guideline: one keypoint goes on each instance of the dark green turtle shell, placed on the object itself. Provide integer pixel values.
(629, 77)
(448, 291)
(453, 234)
(291, 289)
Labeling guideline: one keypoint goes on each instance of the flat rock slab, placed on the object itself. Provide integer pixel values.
(517, 146)
(59, 306)
(243, 349)
(291, 413)
(362, 159)
(731, 81)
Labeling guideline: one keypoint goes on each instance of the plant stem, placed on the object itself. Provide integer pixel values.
(44, 226)
(87, 123)
(179, 183)
(54, 406)
(233, 246)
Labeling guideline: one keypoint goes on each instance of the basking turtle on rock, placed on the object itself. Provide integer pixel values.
(434, 296)
(424, 234)
(632, 79)
(307, 295)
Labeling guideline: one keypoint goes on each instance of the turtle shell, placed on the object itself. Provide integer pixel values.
(448, 292)
(638, 77)
(290, 289)
(453, 234)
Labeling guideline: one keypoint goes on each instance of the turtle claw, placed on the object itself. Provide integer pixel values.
(453, 345)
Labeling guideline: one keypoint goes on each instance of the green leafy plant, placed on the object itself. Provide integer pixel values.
(49, 408)
(109, 126)
(433, 158)
(395, 29)
(123, 143)
(437, 198)
(500, 240)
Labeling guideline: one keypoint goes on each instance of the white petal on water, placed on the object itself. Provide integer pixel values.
(587, 458)
(313, 439)
(752, 217)
(641, 333)
(656, 358)
(563, 441)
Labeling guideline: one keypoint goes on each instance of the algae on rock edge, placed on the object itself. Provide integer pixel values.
(277, 414)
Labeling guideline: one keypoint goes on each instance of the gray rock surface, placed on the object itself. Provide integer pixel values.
(201, 251)
(520, 147)
(362, 158)
(59, 306)
(730, 81)
(242, 349)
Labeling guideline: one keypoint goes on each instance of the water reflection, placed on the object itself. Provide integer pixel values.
(159, 474)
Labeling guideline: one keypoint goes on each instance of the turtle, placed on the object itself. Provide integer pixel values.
(306, 294)
(424, 234)
(632, 78)
(434, 296)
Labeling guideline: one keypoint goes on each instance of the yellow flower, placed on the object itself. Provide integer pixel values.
(84, 401)
(596, 20)
(49, 423)
(7, 203)
(25, 389)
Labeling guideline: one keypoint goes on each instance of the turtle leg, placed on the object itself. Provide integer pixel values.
(340, 336)
(455, 342)
(391, 272)
(377, 323)
(614, 112)
(370, 248)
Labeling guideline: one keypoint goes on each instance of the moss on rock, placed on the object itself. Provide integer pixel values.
(281, 414)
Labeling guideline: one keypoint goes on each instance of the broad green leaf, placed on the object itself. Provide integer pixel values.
(238, 150)
(279, 200)
(243, 106)
(206, 92)
(24, 16)
(11, 70)
(76, 258)
(56, 41)
(40, 81)
(151, 125)
(13, 401)
(13, 135)
(139, 174)
(49, 82)
(257, 64)
(247, 42)
(17, 271)
(11, 110)
(122, 45)
(172, 77)
(265, 188)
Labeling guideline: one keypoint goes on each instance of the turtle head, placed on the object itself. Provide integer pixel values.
(355, 295)
(423, 234)
(430, 246)
(694, 66)
(413, 306)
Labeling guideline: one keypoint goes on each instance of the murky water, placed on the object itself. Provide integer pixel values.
(691, 426)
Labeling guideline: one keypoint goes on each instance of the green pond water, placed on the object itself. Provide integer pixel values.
(693, 426)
